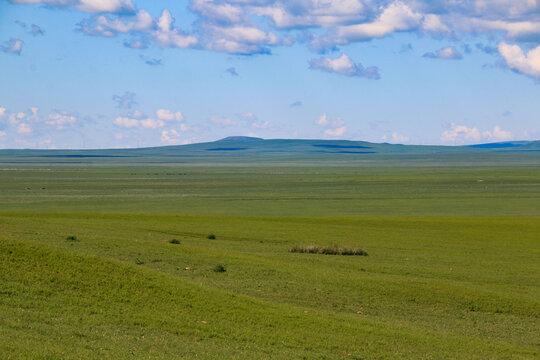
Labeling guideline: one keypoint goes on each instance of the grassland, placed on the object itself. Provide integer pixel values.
(452, 271)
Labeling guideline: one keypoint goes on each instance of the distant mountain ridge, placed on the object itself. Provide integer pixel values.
(245, 146)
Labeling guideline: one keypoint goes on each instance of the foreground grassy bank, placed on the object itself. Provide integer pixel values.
(430, 287)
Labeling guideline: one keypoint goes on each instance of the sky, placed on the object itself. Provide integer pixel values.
(133, 73)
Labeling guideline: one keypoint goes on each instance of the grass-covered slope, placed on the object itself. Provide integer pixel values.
(123, 291)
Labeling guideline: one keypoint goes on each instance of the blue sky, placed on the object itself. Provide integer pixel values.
(129, 73)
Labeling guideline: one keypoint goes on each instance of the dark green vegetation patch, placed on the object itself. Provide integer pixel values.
(327, 250)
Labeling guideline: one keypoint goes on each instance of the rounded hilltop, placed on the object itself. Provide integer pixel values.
(241, 138)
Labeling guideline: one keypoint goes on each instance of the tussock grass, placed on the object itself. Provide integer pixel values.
(327, 250)
(219, 268)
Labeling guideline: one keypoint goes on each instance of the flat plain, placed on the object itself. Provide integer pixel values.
(88, 269)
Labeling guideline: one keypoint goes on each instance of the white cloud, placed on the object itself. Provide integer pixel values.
(59, 119)
(111, 6)
(106, 26)
(239, 39)
(260, 125)
(168, 115)
(462, 134)
(13, 46)
(150, 123)
(326, 13)
(222, 121)
(91, 6)
(322, 120)
(3, 134)
(126, 122)
(336, 132)
(171, 137)
(398, 16)
(2, 111)
(24, 128)
(516, 59)
(498, 134)
(396, 138)
(345, 66)
(334, 128)
(433, 24)
(167, 35)
(449, 53)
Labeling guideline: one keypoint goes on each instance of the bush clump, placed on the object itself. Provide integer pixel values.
(327, 250)
(211, 237)
(174, 241)
(219, 268)
(71, 238)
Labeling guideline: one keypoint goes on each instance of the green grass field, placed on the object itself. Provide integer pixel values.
(453, 270)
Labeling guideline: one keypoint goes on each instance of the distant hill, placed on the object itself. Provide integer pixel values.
(243, 146)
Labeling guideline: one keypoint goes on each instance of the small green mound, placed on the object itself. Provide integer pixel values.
(327, 250)
(211, 237)
(174, 241)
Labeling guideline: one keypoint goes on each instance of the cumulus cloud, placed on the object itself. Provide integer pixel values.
(238, 39)
(398, 16)
(170, 136)
(60, 119)
(161, 30)
(343, 65)
(322, 120)
(24, 128)
(449, 53)
(2, 111)
(130, 122)
(166, 35)
(527, 64)
(336, 132)
(108, 26)
(168, 115)
(13, 46)
(90, 6)
(125, 101)
(462, 134)
(396, 138)
(260, 125)
(334, 128)
(256, 26)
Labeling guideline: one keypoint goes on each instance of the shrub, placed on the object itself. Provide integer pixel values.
(327, 250)
(139, 261)
(174, 241)
(219, 268)
(211, 237)
(71, 238)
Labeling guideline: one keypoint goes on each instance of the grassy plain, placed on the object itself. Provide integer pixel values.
(452, 271)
